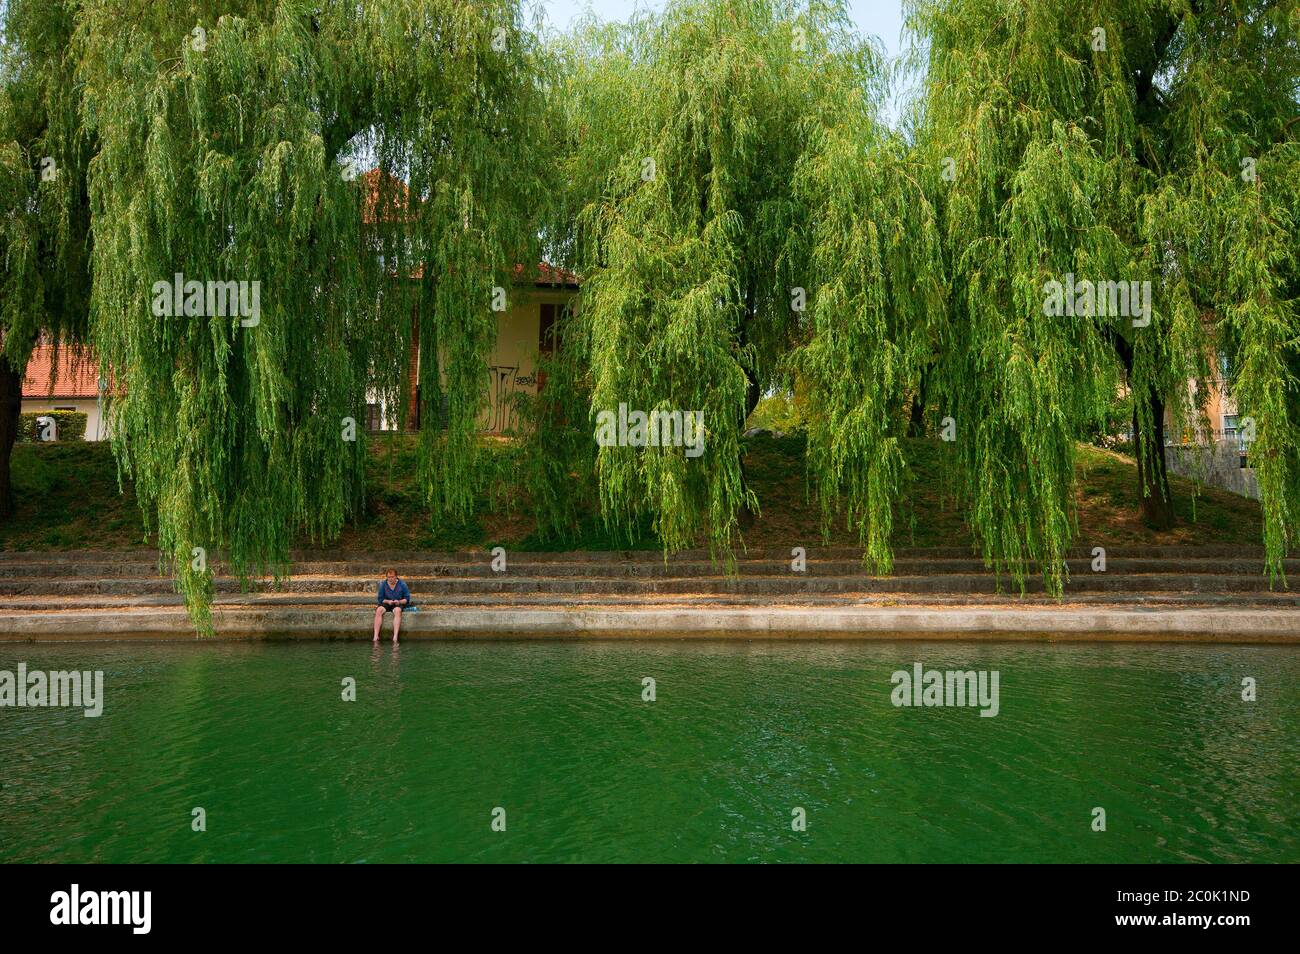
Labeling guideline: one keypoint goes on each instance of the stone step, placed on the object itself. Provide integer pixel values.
(906, 566)
(433, 588)
(19, 605)
(1091, 624)
(374, 562)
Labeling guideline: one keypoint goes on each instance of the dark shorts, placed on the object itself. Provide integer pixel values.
(389, 609)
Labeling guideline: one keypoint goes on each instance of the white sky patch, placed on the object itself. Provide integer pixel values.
(882, 19)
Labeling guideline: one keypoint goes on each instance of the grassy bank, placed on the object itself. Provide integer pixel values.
(69, 498)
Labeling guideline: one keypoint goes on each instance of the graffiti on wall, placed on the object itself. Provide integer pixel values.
(504, 382)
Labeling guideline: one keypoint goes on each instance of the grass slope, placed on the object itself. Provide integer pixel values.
(68, 498)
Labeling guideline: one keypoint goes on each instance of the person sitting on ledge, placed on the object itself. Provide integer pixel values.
(393, 595)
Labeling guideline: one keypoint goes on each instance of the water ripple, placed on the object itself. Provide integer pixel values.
(739, 736)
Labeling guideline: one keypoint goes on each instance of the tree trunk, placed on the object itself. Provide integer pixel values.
(413, 374)
(11, 402)
(752, 394)
(916, 421)
(1155, 501)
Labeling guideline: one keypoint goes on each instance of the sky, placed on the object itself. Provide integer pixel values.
(882, 18)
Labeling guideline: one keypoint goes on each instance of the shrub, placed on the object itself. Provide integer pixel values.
(68, 425)
(780, 412)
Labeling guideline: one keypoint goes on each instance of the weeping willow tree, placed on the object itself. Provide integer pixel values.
(1119, 141)
(250, 288)
(874, 264)
(44, 209)
(741, 219)
(687, 131)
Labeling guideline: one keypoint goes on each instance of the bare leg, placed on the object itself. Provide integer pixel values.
(379, 620)
(397, 621)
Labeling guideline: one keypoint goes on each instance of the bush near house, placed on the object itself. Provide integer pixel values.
(68, 425)
(780, 412)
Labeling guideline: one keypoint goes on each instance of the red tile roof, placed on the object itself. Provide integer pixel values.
(544, 275)
(76, 374)
(396, 196)
(547, 274)
(379, 184)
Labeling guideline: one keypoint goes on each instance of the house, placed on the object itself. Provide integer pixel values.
(541, 296)
(537, 298)
(1220, 408)
(1220, 456)
(66, 381)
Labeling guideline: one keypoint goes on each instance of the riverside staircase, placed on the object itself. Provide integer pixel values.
(1205, 592)
(1215, 592)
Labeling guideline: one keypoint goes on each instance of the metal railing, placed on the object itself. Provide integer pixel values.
(1203, 438)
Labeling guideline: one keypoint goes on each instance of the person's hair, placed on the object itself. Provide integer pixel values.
(391, 570)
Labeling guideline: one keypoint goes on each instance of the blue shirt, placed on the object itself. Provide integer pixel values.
(398, 592)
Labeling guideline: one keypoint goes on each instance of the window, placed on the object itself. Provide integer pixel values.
(546, 329)
(547, 335)
(1232, 435)
(1230, 428)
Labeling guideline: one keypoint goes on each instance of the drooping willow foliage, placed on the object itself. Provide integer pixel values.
(742, 219)
(873, 262)
(42, 174)
(1109, 141)
(688, 130)
(229, 141)
(1234, 199)
(44, 211)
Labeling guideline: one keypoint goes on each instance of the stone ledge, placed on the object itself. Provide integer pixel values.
(1090, 624)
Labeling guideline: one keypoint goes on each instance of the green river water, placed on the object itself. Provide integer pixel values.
(740, 734)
